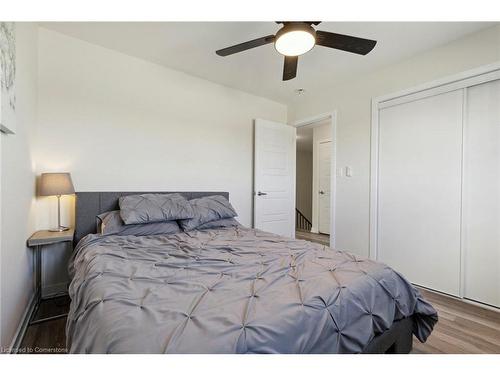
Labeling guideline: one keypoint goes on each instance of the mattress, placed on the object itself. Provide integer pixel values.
(232, 290)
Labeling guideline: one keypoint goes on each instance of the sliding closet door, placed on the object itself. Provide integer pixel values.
(482, 194)
(419, 190)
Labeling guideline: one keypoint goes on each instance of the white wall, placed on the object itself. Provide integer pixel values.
(304, 176)
(120, 123)
(352, 99)
(18, 188)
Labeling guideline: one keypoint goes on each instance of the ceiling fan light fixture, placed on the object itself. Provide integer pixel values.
(295, 40)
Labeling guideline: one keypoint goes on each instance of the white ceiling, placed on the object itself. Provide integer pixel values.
(190, 47)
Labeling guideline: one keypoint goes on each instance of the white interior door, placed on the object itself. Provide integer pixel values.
(324, 171)
(274, 177)
(482, 194)
(419, 190)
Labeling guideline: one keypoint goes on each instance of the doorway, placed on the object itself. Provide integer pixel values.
(315, 182)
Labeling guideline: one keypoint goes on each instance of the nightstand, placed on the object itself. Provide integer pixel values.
(38, 241)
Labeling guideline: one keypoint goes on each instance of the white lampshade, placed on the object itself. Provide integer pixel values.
(56, 184)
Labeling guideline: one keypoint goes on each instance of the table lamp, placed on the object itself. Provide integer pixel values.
(56, 184)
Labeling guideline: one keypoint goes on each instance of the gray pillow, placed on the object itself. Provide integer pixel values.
(222, 223)
(206, 209)
(150, 208)
(112, 223)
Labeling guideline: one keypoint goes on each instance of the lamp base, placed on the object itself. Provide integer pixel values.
(59, 229)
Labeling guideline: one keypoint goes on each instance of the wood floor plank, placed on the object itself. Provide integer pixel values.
(465, 316)
(47, 337)
(323, 239)
(462, 306)
(466, 339)
(463, 328)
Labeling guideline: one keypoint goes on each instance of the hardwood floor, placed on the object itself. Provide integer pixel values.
(47, 337)
(323, 239)
(462, 329)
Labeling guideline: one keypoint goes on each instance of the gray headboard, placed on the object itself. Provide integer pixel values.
(91, 204)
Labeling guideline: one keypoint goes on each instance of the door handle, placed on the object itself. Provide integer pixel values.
(321, 192)
(261, 193)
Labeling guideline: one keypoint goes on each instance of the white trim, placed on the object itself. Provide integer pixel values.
(443, 82)
(458, 81)
(23, 326)
(294, 181)
(333, 183)
(373, 205)
(461, 288)
(461, 299)
(456, 85)
(314, 119)
(316, 179)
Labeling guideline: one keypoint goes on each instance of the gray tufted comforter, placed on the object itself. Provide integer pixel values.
(232, 290)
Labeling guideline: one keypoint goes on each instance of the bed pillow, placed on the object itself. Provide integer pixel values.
(222, 223)
(150, 208)
(112, 223)
(207, 209)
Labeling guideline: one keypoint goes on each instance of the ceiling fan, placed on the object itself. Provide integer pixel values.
(296, 38)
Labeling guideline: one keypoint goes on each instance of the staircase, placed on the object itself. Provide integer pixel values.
(301, 222)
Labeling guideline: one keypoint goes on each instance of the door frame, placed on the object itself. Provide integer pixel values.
(463, 80)
(333, 167)
(317, 178)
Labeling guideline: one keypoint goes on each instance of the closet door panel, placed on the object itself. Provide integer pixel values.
(419, 190)
(482, 194)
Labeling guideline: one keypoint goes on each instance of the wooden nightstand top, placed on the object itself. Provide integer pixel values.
(45, 237)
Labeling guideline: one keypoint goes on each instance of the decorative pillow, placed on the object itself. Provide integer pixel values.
(150, 208)
(112, 223)
(222, 223)
(206, 209)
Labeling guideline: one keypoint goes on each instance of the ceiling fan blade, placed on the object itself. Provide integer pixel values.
(344, 42)
(244, 46)
(290, 67)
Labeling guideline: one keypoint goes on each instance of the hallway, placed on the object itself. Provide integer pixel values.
(323, 239)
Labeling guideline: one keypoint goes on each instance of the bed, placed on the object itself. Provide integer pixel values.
(231, 290)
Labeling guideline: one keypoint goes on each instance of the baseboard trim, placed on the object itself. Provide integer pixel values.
(23, 326)
(462, 299)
